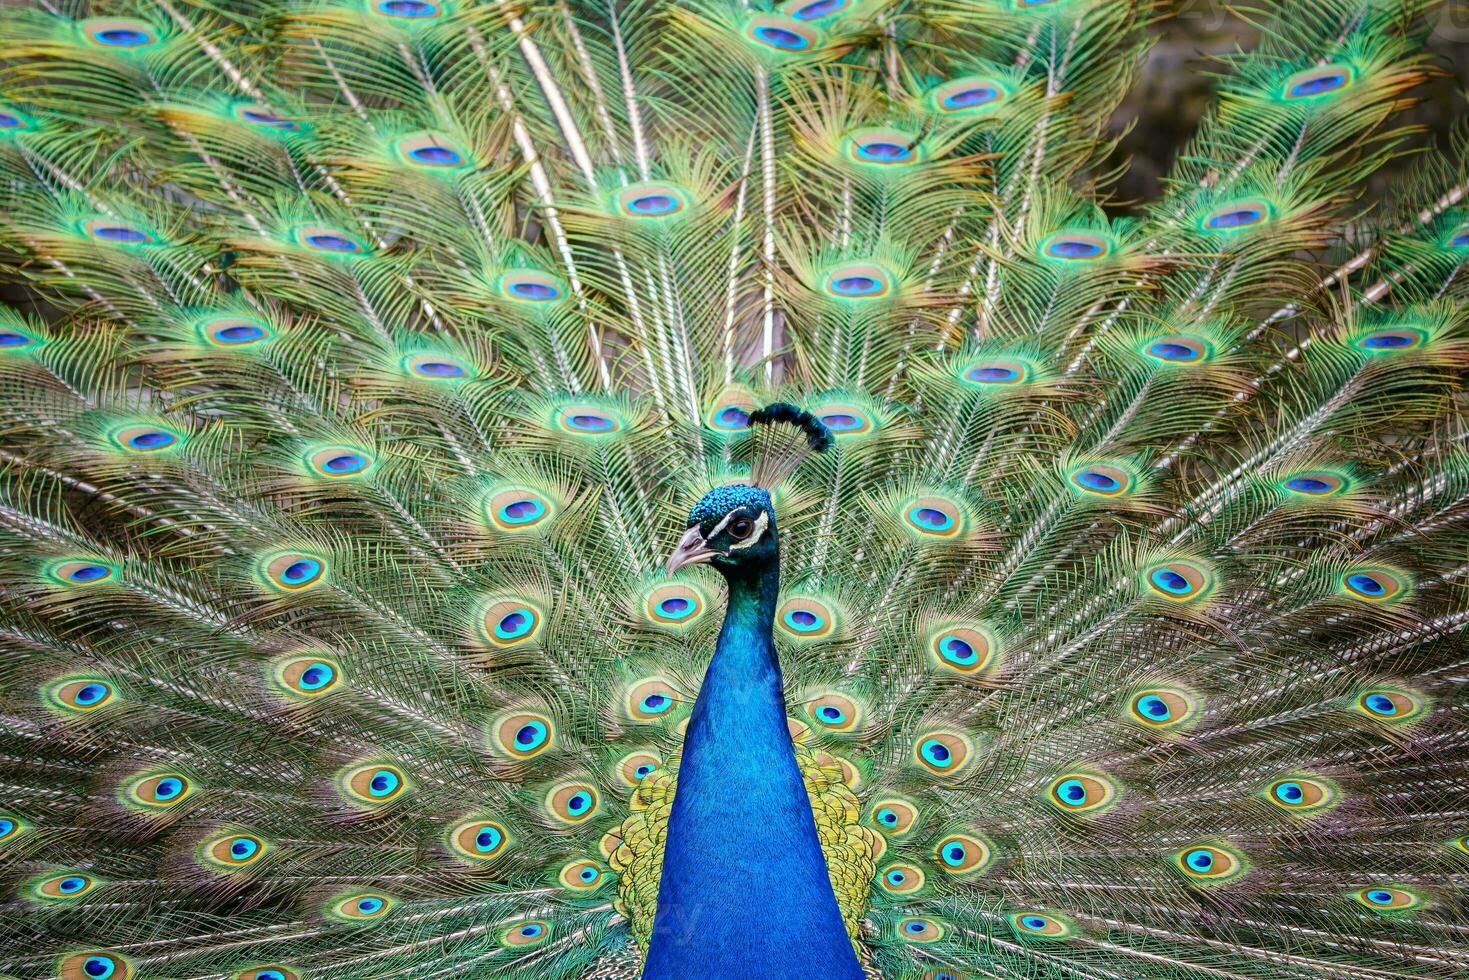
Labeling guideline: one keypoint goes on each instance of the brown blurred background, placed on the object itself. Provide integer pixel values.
(1174, 89)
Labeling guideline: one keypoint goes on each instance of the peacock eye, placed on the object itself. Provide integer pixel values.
(740, 529)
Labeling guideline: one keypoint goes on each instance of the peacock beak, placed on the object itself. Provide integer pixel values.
(692, 549)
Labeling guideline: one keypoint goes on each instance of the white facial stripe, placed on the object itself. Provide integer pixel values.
(720, 526)
(761, 523)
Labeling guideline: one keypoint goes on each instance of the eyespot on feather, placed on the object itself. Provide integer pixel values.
(834, 712)
(511, 622)
(119, 33)
(933, 517)
(1178, 350)
(1040, 925)
(651, 700)
(805, 618)
(1314, 83)
(145, 439)
(114, 231)
(781, 35)
(963, 649)
(407, 10)
(882, 147)
(1209, 863)
(158, 791)
(531, 286)
(942, 753)
(1178, 581)
(529, 932)
(293, 571)
(582, 876)
(79, 695)
(438, 368)
(652, 199)
(893, 817)
(916, 929)
(962, 854)
(1101, 480)
(233, 851)
(674, 606)
(1081, 793)
(373, 785)
(969, 95)
(94, 965)
(1376, 585)
(1075, 247)
(901, 879)
(64, 887)
(340, 462)
(1387, 899)
(634, 767)
(857, 281)
(327, 242)
(81, 571)
(1162, 708)
(233, 332)
(573, 803)
(271, 971)
(1391, 706)
(524, 735)
(1301, 795)
(361, 907)
(431, 151)
(306, 676)
(479, 840)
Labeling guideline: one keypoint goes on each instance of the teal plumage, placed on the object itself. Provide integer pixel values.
(366, 360)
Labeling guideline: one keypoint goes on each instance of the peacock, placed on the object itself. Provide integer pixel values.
(729, 489)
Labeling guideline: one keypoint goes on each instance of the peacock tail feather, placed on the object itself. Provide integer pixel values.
(364, 360)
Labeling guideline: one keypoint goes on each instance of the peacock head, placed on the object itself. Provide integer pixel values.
(732, 528)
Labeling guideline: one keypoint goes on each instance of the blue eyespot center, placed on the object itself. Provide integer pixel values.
(91, 694)
(1388, 341)
(1170, 581)
(522, 511)
(243, 847)
(332, 243)
(487, 839)
(936, 752)
(578, 803)
(300, 571)
(1289, 792)
(436, 156)
(69, 885)
(590, 423)
(89, 573)
(367, 906)
(1034, 922)
(383, 782)
(531, 734)
(316, 676)
(957, 651)
(268, 119)
(1317, 85)
(152, 440)
(931, 517)
(971, 97)
(240, 333)
(412, 9)
(915, 927)
(1154, 707)
(1199, 860)
(992, 374)
(534, 290)
(1379, 896)
(346, 463)
(675, 607)
(530, 931)
(654, 204)
(1380, 704)
(955, 854)
(168, 788)
(119, 233)
(121, 37)
(1167, 351)
(732, 417)
(643, 770)
(1093, 480)
(1072, 791)
(1366, 584)
(1067, 248)
(1306, 484)
(514, 624)
(887, 817)
(857, 285)
(100, 967)
(818, 8)
(1237, 218)
(779, 37)
(882, 152)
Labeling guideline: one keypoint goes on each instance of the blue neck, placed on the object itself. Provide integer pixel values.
(745, 891)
